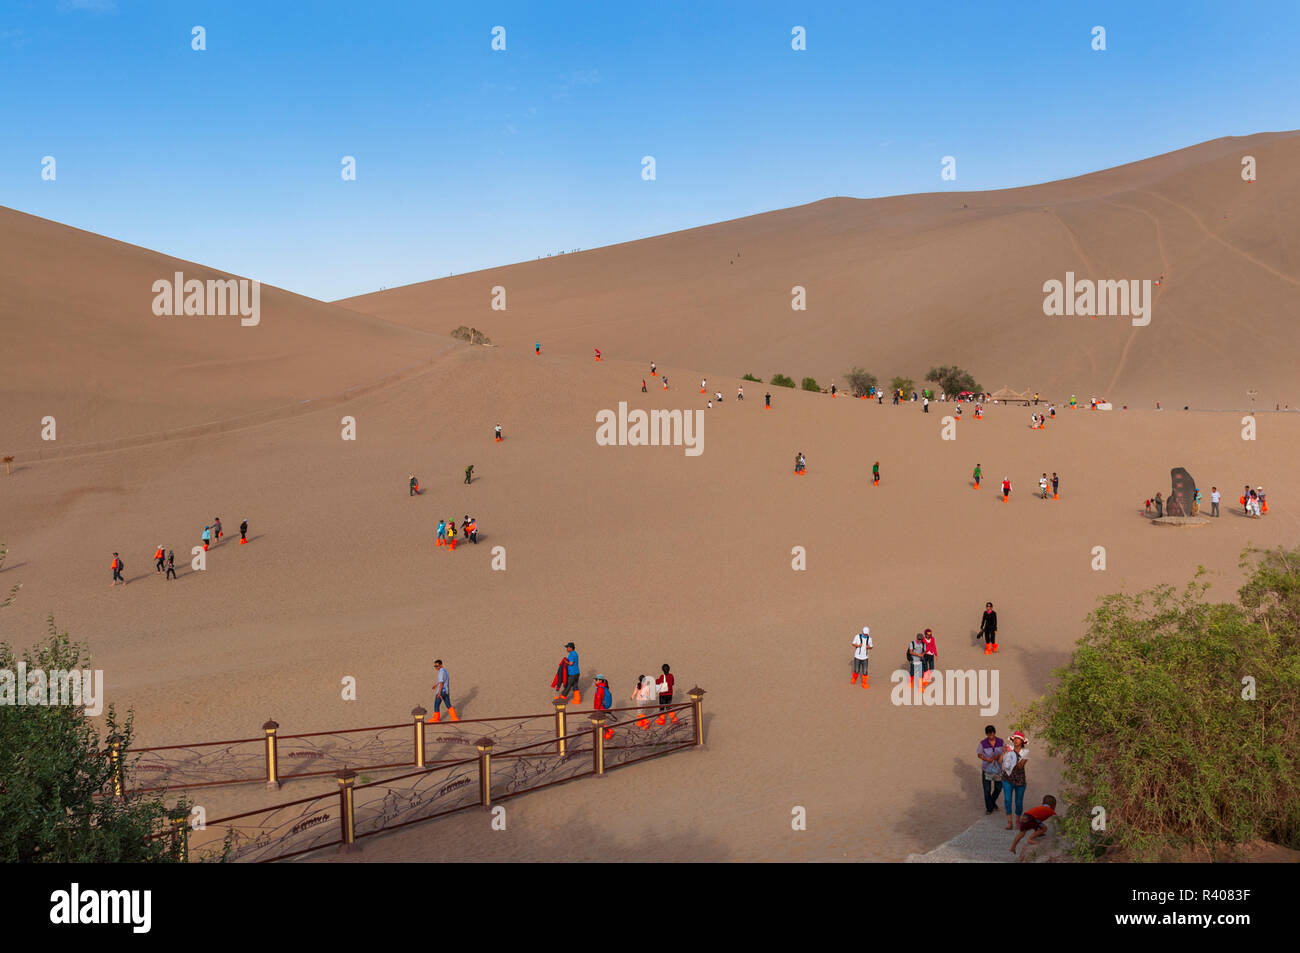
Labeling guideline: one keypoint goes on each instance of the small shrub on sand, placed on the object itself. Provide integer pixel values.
(751, 377)
(780, 380)
(811, 384)
(860, 382)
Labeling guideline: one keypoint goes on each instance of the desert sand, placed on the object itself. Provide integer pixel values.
(643, 555)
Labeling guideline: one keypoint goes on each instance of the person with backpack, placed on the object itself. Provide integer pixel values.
(471, 529)
(159, 557)
(451, 535)
(916, 660)
(171, 566)
(216, 528)
(469, 473)
(989, 629)
(207, 537)
(414, 486)
(664, 686)
(442, 531)
(117, 567)
(862, 645)
(603, 700)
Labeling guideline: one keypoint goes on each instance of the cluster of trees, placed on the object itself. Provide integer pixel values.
(1178, 720)
(951, 380)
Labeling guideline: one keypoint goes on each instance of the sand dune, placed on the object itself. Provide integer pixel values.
(643, 555)
(900, 284)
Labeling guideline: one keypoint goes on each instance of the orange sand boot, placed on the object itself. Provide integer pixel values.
(864, 681)
(451, 713)
(995, 646)
(988, 649)
(577, 697)
(434, 719)
(854, 679)
(661, 720)
(643, 722)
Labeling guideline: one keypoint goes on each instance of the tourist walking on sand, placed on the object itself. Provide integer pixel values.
(442, 531)
(1013, 776)
(644, 696)
(767, 401)
(572, 672)
(243, 526)
(664, 686)
(602, 699)
(1006, 489)
(171, 566)
(441, 693)
(412, 485)
(496, 433)
(990, 751)
(1035, 819)
(861, 646)
(652, 368)
(977, 475)
(1214, 501)
(207, 537)
(160, 556)
(740, 393)
(537, 348)
(1160, 505)
(117, 567)
(704, 385)
(875, 473)
(1245, 500)
(1042, 487)
(451, 535)
(1056, 485)
(216, 528)
(643, 388)
(916, 660)
(929, 657)
(989, 629)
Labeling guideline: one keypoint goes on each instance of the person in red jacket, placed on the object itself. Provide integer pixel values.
(664, 684)
(1035, 819)
(160, 557)
(603, 701)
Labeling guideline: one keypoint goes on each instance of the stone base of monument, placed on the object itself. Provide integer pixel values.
(1181, 520)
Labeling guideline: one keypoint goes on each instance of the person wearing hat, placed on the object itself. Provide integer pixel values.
(861, 644)
(603, 700)
(572, 672)
(414, 485)
(160, 556)
(931, 652)
(207, 537)
(243, 530)
(171, 566)
(1013, 776)
(989, 629)
(497, 432)
(441, 694)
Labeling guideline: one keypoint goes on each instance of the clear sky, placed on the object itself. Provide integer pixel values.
(468, 157)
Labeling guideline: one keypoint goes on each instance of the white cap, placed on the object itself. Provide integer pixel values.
(866, 630)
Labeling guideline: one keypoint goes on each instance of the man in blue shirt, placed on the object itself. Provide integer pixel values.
(441, 693)
(571, 673)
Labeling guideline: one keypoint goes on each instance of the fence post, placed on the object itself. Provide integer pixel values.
(697, 704)
(347, 821)
(272, 756)
(115, 756)
(598, 742)
(484, 746)
(180, 819)
(418, 713)
(560, 730)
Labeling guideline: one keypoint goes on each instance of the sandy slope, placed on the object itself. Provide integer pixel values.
(900, 284)
(640, 555)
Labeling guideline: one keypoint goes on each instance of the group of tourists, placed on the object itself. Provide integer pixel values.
(1002, 771)
(922, 651)
(447, 532)
(165, 559)
(651, 694)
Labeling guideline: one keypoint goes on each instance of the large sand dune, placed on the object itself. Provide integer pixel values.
(900, 284)
(643, 555)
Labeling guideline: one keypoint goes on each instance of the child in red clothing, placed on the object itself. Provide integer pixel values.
(1035, 819)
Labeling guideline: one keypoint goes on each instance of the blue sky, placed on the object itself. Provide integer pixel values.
(469, 158)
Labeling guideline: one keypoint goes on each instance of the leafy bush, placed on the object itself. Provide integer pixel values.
(810, 384)
(751, 377)
(905, 384)
(780, 380)
(952, 380)
(472, 335)
(1158, 725)
(860, 382)
(52, 766)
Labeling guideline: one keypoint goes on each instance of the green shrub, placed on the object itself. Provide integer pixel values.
(52, 767)
(952, 380)
(751, 377)
(780, 380)
(905, 384)
(860, 382)
(810, 384)
(1156, 724)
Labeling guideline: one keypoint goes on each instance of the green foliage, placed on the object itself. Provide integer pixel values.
(1150, 720)
(52, 767)
(860, 382)
(472, 335)
(751, 377)
(8, 600)
(780, 380)
(952, 380)
(810, 384)
(905, 384)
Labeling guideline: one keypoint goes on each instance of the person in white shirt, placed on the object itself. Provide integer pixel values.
(1214, 501)
(644, 695)
(861, 644)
